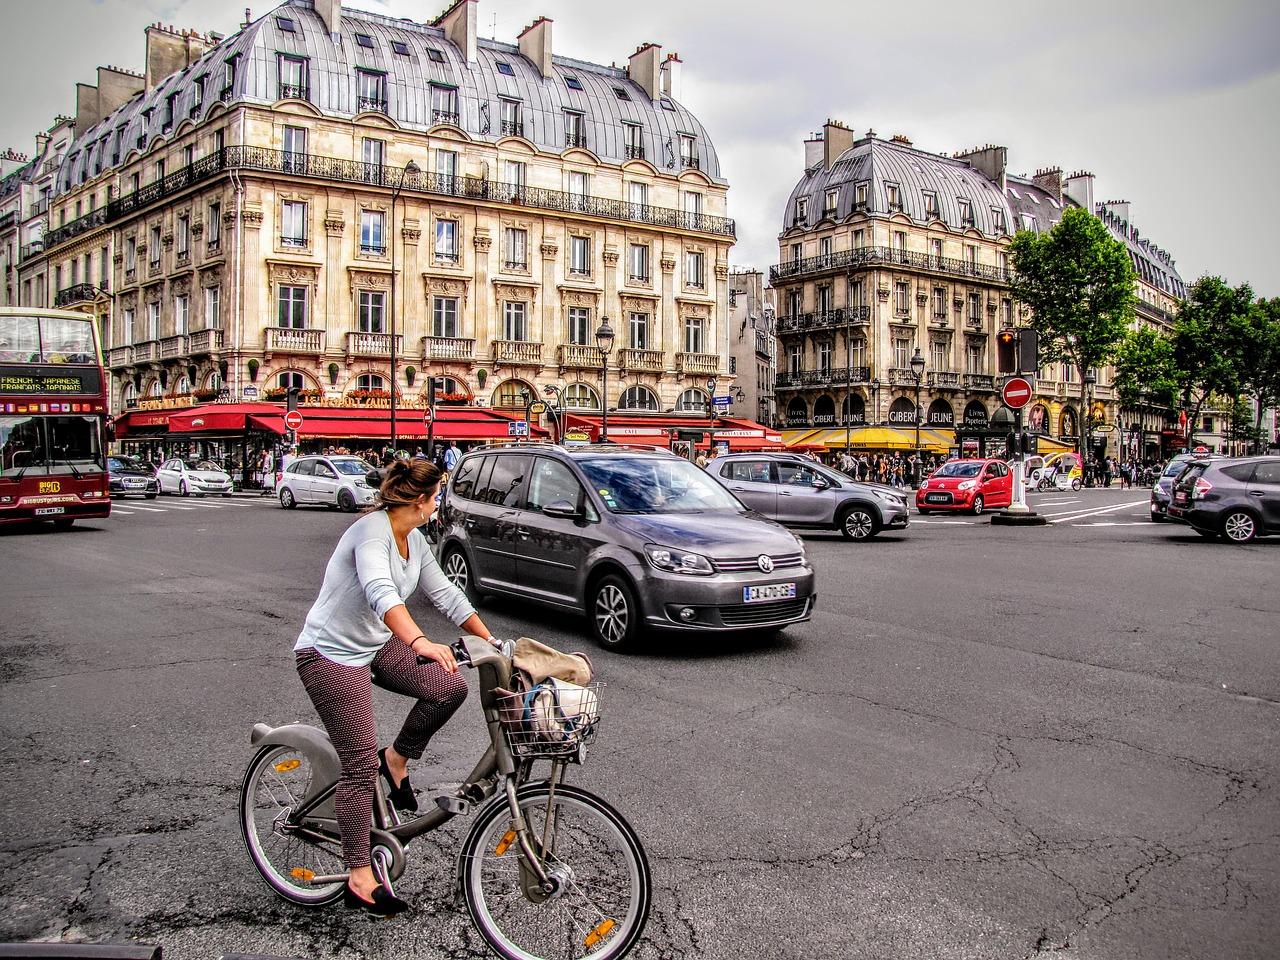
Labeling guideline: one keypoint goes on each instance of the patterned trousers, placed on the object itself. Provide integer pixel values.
(343, 696)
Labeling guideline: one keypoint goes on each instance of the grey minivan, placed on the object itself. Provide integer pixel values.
(632, 538)
(800, 493)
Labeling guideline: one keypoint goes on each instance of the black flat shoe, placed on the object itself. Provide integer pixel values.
(402, 797)
(384, 904)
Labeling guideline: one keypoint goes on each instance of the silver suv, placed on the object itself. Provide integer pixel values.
(801, 493)
(632, 538)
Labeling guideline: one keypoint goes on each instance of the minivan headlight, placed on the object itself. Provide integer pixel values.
(678, 561)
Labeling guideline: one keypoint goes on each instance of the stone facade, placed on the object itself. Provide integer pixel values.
(752, 345)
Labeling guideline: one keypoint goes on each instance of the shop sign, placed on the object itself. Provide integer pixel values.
(167, 403)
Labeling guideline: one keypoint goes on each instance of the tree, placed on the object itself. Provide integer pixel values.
(1078, 281)
(1146, 375)
(1260, 360)
(1210, 336)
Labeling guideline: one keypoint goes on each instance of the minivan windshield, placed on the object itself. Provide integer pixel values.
(959, 468)
(655, 485)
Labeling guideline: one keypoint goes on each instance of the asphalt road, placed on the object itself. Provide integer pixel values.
(989, 742)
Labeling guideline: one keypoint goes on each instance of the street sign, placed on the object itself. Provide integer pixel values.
(1016, 393)
(722, 401)
(537, 408)
(293, 420)
(518, 428)
(427, 416)
(249, 393)
(577, 436)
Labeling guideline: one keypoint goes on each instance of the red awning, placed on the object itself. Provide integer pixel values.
(221, 418)
(336, 423)
(139, 423)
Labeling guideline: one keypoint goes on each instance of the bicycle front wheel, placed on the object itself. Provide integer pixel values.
(277, 780)
(602, 880)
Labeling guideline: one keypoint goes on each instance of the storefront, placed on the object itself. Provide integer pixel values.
(725, 433)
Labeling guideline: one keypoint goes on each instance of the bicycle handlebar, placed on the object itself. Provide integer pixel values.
(463, 658)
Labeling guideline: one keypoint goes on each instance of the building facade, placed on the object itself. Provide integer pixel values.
(285, 205)
(888, 250)
(752, 345)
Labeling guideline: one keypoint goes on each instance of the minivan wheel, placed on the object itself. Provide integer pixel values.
(458, 571)
(1239, 526)
(614, 613)
(858, 524)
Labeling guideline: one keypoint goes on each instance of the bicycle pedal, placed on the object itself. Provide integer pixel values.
(453, 804)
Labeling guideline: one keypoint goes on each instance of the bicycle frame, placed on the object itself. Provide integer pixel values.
(497, 766)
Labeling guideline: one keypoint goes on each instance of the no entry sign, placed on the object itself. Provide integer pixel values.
(1016, 393)
(293, 420)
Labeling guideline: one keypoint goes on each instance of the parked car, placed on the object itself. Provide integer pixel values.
(634, 539)
(971, 485)
(185, 477)
(1162, 489)
(800, 493)
(1234, 499)
(130, 476)
(333, 481)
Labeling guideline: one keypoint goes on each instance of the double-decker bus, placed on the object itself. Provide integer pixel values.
(53, 416)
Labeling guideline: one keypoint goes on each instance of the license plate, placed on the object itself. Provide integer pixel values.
(135, 483)
(770, 591)
(937, 498)
(1181, 498)
(49, 511)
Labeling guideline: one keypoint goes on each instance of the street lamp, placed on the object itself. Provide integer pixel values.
(711, 390)
(875, 402)
(604, 340)
(1089, 381)
(410, 169)
(917, 371)
(557, 412)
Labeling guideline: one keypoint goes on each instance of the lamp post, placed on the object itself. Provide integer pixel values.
(917, 371)
(1089, 381)
(410, 169)
(711, 391)
(604, 340)
(557, 412)
(875, 401)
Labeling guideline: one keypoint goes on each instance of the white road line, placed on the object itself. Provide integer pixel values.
(965, 523)
(1119, 523)
(1082, 515)
(1058, 503)
(174, 506)
(134, 506)
(205, 506)
(117, 512)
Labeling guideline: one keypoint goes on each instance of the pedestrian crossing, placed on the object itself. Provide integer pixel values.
(192, 505)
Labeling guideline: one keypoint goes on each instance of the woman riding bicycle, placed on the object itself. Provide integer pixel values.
(359, 632)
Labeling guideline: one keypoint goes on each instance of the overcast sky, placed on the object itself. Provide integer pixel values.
(1172, 104)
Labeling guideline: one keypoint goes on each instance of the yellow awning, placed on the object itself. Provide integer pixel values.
(799, 438)
(882, 438)
(1050, 445)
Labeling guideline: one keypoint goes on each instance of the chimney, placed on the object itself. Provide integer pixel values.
(88, 107)
(535, 44)
(459, 26)
(10, 161)
(991, 161)
(813, 151)
(900, 138)
(1118, 209)
(643, 68)
(331, 13)
(42, 141)
(671, 76)
(1050, 181)
(1079, 189)
(836, 139)
(117, 87)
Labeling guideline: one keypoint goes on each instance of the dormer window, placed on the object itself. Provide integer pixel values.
(831, 202)
(966, 212)
(198, 98)
(364, 40)
(504, 68)
(621, 94)
(860, 196)
(286, 25)
(997, 215)
(930, 203)
(434, 55)
(667, 104)
(399, 48)
(802, 211)
(573, 83)
(293, 78)
(893, 194)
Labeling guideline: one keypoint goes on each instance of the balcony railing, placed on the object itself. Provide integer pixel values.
(293, 340)
(901, 377)
(293, 91)
(580, 356)
(979, 381)
(371, 104)
(762, 345)
(877, 256)
(79, 293)
(146, 352)
(825, 319)
(28, 250)
(512, 128)
(690, 163)
(633, 358)
(265, 160)
(371, 344)
(173, 347)
(822, 377)
(944, 380)
(446, 116)
(635, 151)
(575, 140)
(204, 341)
(119, 357)
(448, 348)
(517, 352)
(698, 364)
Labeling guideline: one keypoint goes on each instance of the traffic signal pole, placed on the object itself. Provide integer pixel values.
(1016, 350)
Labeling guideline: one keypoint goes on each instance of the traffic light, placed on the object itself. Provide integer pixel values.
(1028, 348)
(1007, 351)
(291, 398)
(1011, 445)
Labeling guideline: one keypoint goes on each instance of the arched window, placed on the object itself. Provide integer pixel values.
(692, 400)
(853, 410)
(975, 414)
(824, 412)
(451, 385)
(902, 411)
(638, 398)
(366, 381)
(1038, 419)
(182, 386)
(129, 396)
(579, 396)
(941, 415)
(1068, 423)
(511, 394)
(797, 413)
(292, 378)
(214, 382)
(153, 389)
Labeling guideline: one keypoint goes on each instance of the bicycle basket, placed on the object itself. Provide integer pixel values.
(552, 719)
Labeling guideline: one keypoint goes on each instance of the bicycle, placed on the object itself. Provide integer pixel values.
(547, 870)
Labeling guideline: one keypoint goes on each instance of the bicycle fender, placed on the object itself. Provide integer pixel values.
(312, 741)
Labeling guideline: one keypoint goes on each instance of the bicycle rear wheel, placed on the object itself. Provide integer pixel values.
(277, 780)
(602, 900)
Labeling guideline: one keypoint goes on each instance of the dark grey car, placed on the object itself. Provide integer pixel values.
(1233, 499)
(631, 538)
(800, 493)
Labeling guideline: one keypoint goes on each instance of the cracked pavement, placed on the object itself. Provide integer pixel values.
(989, 743)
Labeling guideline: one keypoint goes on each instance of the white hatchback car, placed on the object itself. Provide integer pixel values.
(333, 481)
(186, 477)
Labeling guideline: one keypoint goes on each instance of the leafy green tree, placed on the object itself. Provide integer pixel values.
(1078, 281)
(1260, 361)
(1146, 375)
(1210, 336)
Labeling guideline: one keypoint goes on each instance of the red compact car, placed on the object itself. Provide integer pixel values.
(971, 485)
